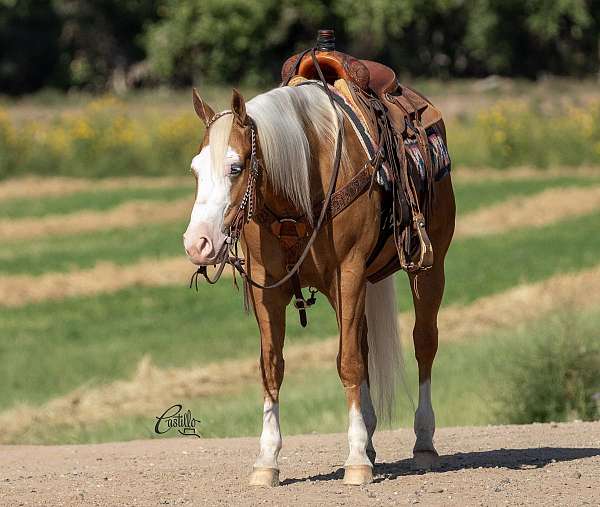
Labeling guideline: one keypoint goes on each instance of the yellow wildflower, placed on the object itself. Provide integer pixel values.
(81, 129)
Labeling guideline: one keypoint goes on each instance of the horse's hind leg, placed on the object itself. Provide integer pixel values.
(427, 297)
(269, 307)
(425, 338)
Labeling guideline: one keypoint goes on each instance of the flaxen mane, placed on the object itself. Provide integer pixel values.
(282, 116)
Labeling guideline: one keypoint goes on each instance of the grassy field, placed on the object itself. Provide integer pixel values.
(60, 351)
(468, 384)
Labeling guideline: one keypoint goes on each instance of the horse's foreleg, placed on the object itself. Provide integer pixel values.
(425, 337)
(353, 372)
(270, 314)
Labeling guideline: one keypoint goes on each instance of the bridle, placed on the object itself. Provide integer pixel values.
(247, 206)
(243, 214)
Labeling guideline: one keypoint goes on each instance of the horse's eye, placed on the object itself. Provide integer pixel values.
(235, 169)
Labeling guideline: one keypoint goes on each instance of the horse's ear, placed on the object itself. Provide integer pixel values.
(238, 106)
(203, 110)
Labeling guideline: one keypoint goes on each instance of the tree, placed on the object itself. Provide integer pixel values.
(29, 39)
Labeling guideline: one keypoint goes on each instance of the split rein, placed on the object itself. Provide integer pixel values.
(247, 205)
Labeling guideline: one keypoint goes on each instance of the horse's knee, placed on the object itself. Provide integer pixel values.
(351, 369)
(272, 369)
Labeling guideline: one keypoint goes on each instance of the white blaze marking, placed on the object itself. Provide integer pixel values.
(270, 439)
(357, 439)
(213, 187)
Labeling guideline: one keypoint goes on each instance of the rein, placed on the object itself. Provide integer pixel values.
(247, 206)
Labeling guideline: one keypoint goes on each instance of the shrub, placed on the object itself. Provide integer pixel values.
(514, 133)
(109, 137)
(8, 146)
(553, 375)
(104, 139)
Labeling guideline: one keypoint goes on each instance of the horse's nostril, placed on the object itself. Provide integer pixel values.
(205, 246)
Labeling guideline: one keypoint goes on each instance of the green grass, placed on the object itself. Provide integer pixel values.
(99, 339)
(467, 385)
(102, 338)
(482, 266)
(63, 253)
(476, 195)
(95, 200)
(53, 347)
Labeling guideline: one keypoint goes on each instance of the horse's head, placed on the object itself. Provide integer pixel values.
(221, 169)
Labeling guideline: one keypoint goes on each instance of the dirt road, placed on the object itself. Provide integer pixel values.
(551, 464)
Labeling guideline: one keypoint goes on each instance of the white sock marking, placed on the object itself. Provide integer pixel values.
(424, 418)
(357, 439)
(270, 439)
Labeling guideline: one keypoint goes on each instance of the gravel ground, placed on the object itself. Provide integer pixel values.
(538, 464)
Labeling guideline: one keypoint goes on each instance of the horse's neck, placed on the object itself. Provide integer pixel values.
(322, 162)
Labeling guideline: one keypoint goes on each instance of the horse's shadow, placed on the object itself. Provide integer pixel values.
(514, 459)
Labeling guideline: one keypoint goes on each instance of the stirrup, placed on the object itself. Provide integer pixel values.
(425, 260)
(426, 257)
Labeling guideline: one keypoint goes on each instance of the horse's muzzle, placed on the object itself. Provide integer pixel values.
(204, 250)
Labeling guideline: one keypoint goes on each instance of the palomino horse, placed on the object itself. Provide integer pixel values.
(292, 132)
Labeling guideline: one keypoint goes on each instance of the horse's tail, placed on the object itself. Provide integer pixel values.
(385, 355)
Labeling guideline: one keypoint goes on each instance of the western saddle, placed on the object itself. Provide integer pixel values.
(401, 121)
(369, 77)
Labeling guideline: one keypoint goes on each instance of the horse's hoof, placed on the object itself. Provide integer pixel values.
(424, 460)
(371, 455)
(357, 475)
(264, 477)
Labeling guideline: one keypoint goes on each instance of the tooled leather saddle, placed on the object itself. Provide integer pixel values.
(409, 134)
